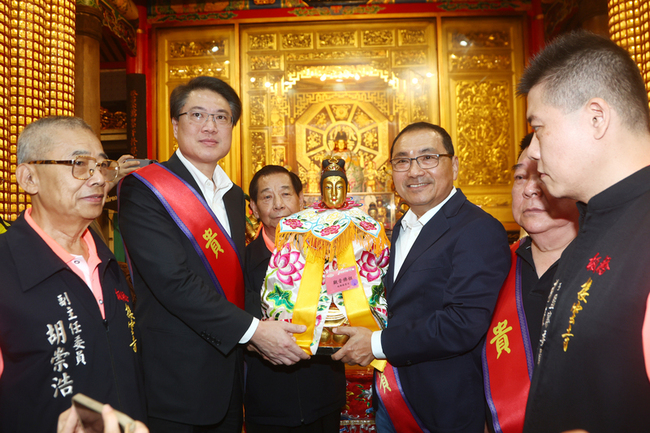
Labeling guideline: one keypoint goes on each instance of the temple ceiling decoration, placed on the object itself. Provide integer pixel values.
(166, 11)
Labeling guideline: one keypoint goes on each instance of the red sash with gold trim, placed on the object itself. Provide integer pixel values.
(389, 390)
(194, 217)
(508, 355)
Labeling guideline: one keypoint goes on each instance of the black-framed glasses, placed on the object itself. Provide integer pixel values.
(200, 117)
(424, 161)
(83, 167)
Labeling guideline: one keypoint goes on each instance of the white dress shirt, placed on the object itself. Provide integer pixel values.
(411, 228)
(213, 190)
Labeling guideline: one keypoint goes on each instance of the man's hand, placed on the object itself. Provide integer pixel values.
(274, 340)
(358, 349)
(69, 422)
(126, 166)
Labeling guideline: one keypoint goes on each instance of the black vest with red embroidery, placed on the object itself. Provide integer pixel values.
(53, 339)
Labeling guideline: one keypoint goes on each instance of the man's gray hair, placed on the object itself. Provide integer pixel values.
(36, 138)
(579, 66)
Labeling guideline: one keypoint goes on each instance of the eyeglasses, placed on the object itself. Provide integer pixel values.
(424, 161)
(83, 167)
(200, 117)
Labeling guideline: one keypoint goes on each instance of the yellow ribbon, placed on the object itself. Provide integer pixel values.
(306, 306)
(356, 303)
(316, 252)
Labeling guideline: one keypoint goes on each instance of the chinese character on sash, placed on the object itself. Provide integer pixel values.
(500, 337)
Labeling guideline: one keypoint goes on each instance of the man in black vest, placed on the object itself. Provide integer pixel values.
(192, 332)
(66, 320)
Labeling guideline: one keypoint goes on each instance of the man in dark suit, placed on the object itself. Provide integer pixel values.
(191, 329)
(448, 261)
(306, 397)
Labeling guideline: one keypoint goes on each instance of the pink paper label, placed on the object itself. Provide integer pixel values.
(341, 280)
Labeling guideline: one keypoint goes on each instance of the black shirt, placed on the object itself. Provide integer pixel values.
(534, 290)
(590, 368)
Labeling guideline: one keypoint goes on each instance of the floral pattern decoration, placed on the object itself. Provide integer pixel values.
(288, 264)
(370, 266)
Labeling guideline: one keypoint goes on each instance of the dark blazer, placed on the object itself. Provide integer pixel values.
(439, 310)
(279, 394)
(189, 332)
(40, 293)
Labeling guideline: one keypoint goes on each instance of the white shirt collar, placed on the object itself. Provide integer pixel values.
(411, 220)
(219, 178)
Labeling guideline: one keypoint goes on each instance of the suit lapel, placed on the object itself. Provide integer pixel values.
(428, 236)
(388, 282)
(431, 232)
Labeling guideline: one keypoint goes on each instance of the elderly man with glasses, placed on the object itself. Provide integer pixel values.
(448, 261)
(183, 225)
(66, 319)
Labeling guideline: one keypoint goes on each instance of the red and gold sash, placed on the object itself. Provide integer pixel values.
(389, 390)
(508, 355)
(194, 217)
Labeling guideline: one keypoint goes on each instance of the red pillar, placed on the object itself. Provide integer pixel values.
(536, 17)
(140, 65)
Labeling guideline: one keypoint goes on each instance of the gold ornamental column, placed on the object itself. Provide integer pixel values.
(629, 26)
(88, 36)
(36, 79)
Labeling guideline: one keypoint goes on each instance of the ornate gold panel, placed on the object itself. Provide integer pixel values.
(483, 60)
(378, 99)
(409, 58)
(484, 117)
(267, 62)
(412, 37)
(257, 107)
(337, 39)
(279, 156)
(480, 62)
(336, 55)
(258, 145)
(262, 42)
(378, 37)
(297, 41)
(304, 84)
(484, 38)
(196, 49)
(279, 106)
(186, 53)
(187, 72)
(364, 126)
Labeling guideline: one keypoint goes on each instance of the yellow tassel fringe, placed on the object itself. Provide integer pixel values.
(314, 247)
